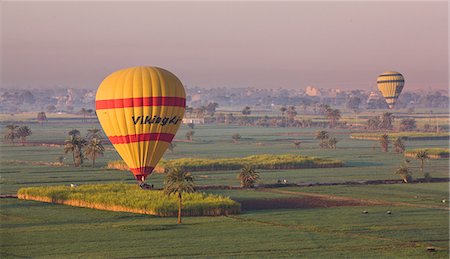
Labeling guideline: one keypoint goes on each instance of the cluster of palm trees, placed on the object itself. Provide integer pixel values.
(326, 141)
(382, 122)
(406, 173)
(290, 115)
(14, 132)
(333, 115)
(399, 146)
(92, 144)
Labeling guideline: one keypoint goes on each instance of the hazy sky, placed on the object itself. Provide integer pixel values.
(215, 44)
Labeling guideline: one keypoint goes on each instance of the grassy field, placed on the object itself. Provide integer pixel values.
(130, 198)
(263, 161)
(419, 217)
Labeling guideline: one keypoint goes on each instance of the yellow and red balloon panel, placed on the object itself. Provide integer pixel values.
(140, 110)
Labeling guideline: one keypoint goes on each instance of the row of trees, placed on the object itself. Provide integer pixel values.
(92, 144)
(14, 132)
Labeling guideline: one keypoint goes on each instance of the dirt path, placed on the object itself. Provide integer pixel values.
(346, 200)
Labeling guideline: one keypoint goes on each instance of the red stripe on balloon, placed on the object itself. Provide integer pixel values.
(140, 173)
(166, 137)
(140, 101)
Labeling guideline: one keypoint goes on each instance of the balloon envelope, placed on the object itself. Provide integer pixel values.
(140, 110)
(391, 85)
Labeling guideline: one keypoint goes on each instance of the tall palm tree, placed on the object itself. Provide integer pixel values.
(283, 110)
(291, 113)
(41, 117)
(333, 116)
(373, 123)
(84, 112)
(386, 120)
(94, 133)
(399, 146)
(23, 132)
(190, 135)
(322, 135)
(94, 149)
(384, 142)
(248, 177)
(74, 144)
(423, 155)
(178, 182)
(11, 132)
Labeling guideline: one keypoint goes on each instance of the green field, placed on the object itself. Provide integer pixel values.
(419, 217)
(130, 198)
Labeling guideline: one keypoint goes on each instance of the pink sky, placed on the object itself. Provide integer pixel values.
(207, 44)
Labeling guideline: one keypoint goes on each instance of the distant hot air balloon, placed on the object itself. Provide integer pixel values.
(140, 110)
(391, 85)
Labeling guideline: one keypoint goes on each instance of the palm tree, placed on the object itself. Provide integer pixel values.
(178, 182)
(322, 135)
(246, 110)
(74, 144)
(404, 173)
(171, 147)
(374, 123)
(236, 137)
(94, 149)
(291, 113)
(248, 177)
(399, 146)
(41, 117)
(94, 133)
(333, 116)
(11, 132)
(189, 135)
(74, 132)
(84, 112)
(332, 142)
(283, 110)
(23, 132)
(423, 155)
(384, 142)
(386, 121)
(296, 144)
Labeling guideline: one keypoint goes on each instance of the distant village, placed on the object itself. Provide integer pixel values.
(72, 100)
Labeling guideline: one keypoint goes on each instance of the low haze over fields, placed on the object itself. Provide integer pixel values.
(264, 45)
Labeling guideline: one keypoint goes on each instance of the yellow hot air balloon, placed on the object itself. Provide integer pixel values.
(390, 85)
(140, 110)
